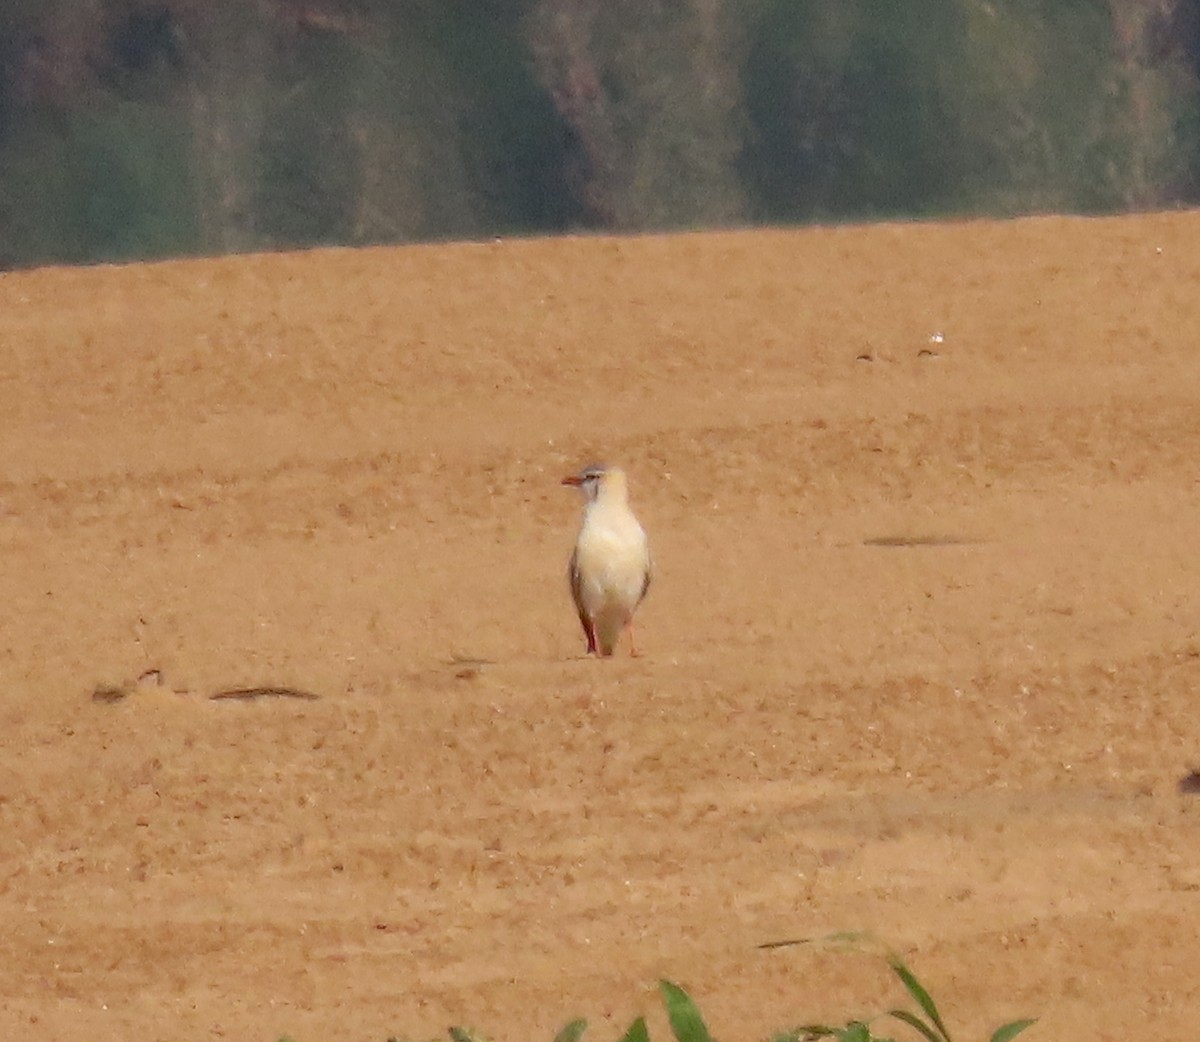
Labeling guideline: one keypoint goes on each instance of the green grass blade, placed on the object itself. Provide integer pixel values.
(842, 941)
(924, 999)
(686, 1023)
(1007, 1032)
(573, 1032)
(916, 1023)
(637, 1032)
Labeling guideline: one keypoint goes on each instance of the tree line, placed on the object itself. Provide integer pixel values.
(147, 128)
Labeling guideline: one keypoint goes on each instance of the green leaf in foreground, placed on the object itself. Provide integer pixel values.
(573, 1032)
(857, 1031)
(637, 1032)
(1007, 1032)
(686, 1023)
(924, 1000)
(916, 1023)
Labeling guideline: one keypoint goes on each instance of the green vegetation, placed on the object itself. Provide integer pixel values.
(687, 1023)
(931, 1027)
(144, 128)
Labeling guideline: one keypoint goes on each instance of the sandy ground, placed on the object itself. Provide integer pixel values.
(921, 656)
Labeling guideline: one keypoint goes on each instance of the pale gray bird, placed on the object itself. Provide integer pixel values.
(610, 568)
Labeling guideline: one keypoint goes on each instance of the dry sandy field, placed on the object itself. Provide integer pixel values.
(921, 657)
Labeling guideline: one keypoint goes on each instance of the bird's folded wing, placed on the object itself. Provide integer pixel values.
(576, 581)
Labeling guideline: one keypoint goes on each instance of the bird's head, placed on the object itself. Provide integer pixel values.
(596, 480)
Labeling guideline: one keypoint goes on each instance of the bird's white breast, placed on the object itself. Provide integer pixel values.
(612, 558)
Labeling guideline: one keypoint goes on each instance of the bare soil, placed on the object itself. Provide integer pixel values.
(921, 656)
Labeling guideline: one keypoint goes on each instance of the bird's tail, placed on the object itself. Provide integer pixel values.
(608, 632)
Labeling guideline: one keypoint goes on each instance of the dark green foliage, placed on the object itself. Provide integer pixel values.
(572, 1032)
(637, 1032)
(852, 107)
(110, 182)
(1007, 1032)
(134, 186)
(310, 168)
(924, 1000)
(930, 1027)
(686, 1023)
(143, 128)
(514, 140)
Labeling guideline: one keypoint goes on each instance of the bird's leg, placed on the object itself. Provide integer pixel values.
(589, 631)
(633, 648)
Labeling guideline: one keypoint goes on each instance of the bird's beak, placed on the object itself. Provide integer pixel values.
(574, 481)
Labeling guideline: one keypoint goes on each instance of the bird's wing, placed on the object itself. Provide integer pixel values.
(646, 579)
(576, 581)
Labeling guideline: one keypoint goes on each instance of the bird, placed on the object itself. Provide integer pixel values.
(610, 568)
